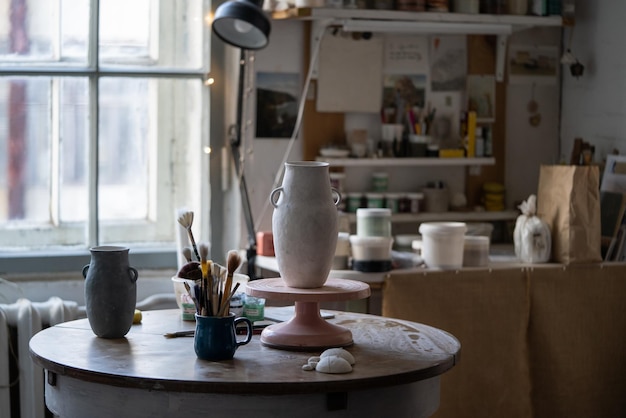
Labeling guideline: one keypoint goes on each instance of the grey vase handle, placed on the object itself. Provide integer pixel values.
(85, 268)
(133, 274)
(337, 199)
(273, 199)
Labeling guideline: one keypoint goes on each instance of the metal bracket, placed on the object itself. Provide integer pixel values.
(501, 57)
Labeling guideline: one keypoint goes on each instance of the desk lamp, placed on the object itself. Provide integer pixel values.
(242, 24)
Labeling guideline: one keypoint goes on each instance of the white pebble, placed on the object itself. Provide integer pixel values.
(307, 367)
(339, 352)
(333, 364)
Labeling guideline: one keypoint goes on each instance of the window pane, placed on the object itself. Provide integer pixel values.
(125, 136)
(44, 32)
(150, 137)
(165, 34)
(74, 146)
(25, 150)
(43, 164)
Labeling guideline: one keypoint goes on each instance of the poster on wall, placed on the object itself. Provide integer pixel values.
(448, 63)
(406, 54)
(530, 64)
(481, 97)
(276, 104)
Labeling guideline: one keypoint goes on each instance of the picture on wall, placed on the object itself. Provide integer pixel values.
(481, 97)
(529, 64)
(401, 93)
(449, 63)
(276, 104)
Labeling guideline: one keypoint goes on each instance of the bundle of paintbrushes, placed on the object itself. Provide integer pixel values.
(213, 284)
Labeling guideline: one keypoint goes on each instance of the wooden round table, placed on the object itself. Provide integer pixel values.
(397, 370)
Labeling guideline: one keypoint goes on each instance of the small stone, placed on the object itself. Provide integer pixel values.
(307, 367)
(334, 365)
(339, 352)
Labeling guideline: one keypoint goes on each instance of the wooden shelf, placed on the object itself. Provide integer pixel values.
(406, 162)
(485, 216)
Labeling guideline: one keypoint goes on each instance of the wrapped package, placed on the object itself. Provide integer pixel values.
(531, 236)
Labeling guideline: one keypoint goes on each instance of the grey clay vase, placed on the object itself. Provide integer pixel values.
(110, 291)
(305, 224)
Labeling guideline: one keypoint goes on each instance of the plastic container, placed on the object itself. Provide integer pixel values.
(375, 200)
(442, 244)
(371, 248)
(380, 181)
(436, 199)
(475, 251)
(373, 222)
(392, 201)
(354, 201)
(415, 202)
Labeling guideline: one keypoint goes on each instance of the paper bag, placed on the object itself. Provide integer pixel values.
(568, 200)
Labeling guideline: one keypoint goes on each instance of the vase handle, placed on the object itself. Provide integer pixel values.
(273, 199)
(337, 198)
(85, 268)
(133, 274)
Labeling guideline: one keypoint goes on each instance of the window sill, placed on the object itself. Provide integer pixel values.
(152, 258)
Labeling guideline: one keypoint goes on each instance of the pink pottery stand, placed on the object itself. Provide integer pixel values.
(307, 330)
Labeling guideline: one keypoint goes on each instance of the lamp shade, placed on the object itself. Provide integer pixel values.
(242, 23)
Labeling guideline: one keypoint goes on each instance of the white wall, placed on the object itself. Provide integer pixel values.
(264, 156)
(594, 106)
(527, 146)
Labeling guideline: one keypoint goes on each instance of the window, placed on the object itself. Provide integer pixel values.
(103, 120)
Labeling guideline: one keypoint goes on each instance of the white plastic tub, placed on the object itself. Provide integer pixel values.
(442, 244)
(371, 248)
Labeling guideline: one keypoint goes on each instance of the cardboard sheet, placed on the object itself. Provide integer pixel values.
(350, 74)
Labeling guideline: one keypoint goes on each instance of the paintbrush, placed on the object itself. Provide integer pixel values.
(185, 218)
(233, 260)
(206, 286)
(187, 254)
(177, 334)
(224, 309)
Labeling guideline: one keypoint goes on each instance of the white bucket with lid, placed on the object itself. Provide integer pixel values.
(442, 244)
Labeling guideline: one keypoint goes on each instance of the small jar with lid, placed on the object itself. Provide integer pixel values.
(392, 202)
(380, 181)
(373, 222)
(374, 200)
(416, 201)
(354, 201)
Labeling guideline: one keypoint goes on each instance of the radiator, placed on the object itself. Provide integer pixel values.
(27, 318)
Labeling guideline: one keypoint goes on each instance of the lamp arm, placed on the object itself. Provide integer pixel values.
(235, 147)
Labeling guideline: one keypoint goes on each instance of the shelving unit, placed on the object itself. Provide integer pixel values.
(490, 60)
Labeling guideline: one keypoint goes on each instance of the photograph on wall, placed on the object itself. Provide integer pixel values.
(533, 64)
(449, 63)
(481, 97)
(276, 104)
(403, 93)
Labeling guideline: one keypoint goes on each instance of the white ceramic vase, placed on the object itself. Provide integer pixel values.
(305, 224)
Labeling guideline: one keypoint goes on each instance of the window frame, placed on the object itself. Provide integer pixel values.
(160, 256)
